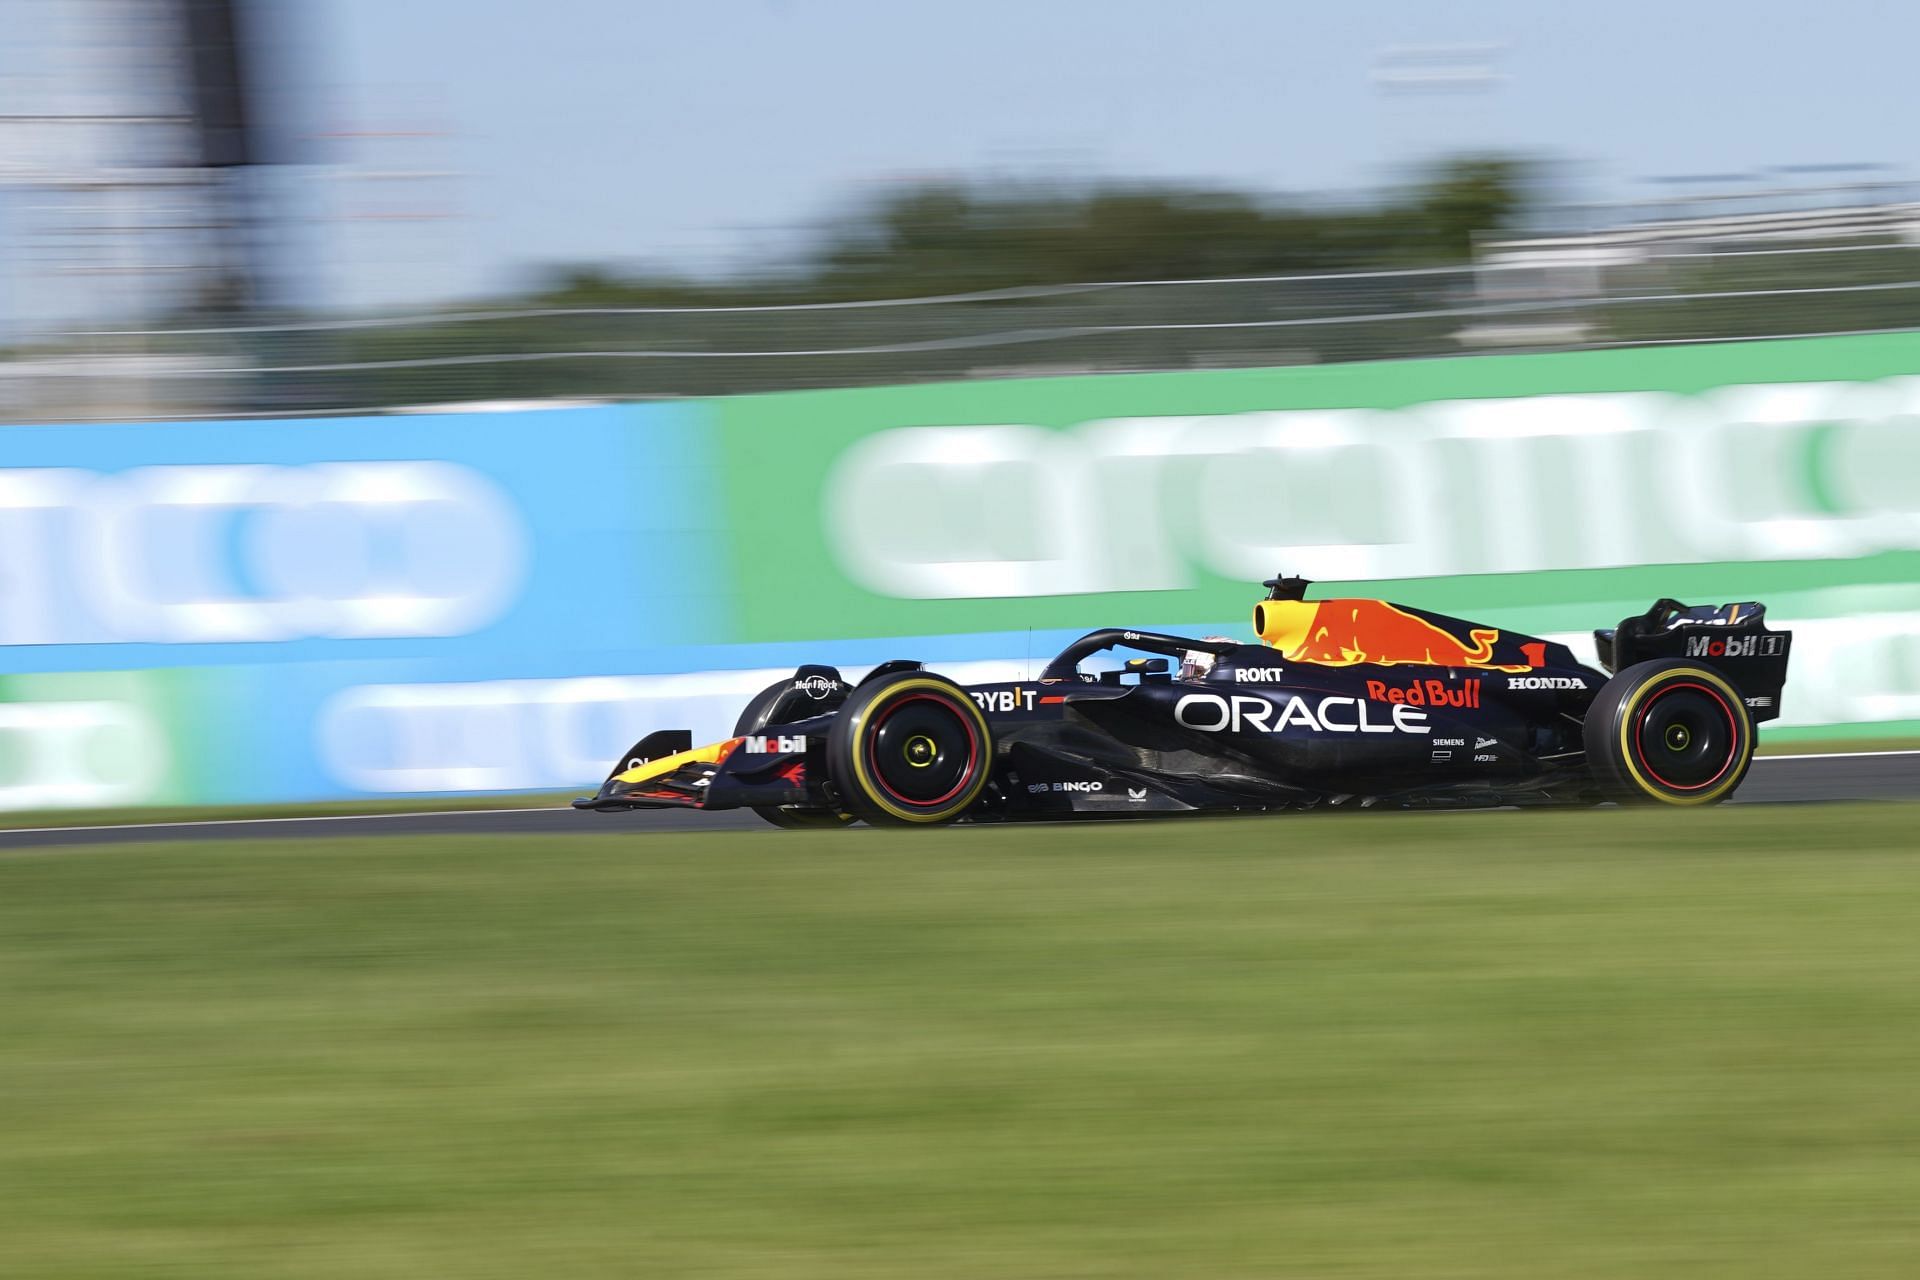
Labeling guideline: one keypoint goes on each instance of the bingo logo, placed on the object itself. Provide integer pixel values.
(1427, 693)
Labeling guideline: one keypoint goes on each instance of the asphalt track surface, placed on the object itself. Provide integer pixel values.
(1786, 779)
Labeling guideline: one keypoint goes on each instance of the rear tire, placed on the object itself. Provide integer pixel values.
(770, 706)
(1669, 732)
(910, 749)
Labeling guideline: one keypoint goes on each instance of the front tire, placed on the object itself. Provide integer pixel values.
(1669, 732)
(774, 705)
(910, 749)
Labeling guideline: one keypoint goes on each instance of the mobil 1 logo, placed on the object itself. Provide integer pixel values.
(1736, 646)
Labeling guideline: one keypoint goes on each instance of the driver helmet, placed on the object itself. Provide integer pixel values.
(1195, 663)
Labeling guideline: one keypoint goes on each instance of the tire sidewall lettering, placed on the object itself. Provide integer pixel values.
(874, 794)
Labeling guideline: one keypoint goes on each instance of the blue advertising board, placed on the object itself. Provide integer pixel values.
(545, 534)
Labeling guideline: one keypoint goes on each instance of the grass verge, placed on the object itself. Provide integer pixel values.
(31, 818)
(1827, 746)
(1504, 1045)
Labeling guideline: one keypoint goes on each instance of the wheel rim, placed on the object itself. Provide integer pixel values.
(922, 751)
(1686, 737)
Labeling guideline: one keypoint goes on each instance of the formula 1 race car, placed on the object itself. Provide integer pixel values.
(1342, 703)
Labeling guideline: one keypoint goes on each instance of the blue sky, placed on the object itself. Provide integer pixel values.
(705, 132)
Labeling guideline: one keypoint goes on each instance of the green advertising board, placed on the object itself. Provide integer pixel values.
(1556, 492)
(1533, 482)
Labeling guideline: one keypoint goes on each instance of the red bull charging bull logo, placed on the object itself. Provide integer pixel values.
(1345, 633)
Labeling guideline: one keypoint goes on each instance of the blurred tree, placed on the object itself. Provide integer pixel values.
(944, 238)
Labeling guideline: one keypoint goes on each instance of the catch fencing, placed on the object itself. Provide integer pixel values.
(1585, 293)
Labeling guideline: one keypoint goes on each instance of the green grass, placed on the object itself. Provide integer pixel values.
(1507, 1045)
(19, 819)
(1823, 746)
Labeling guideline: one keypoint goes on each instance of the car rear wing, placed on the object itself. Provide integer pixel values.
(1733, 639)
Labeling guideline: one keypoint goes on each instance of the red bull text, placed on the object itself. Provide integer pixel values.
(1427, 693)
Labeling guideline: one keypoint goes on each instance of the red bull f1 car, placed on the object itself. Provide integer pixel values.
(1341, 703)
